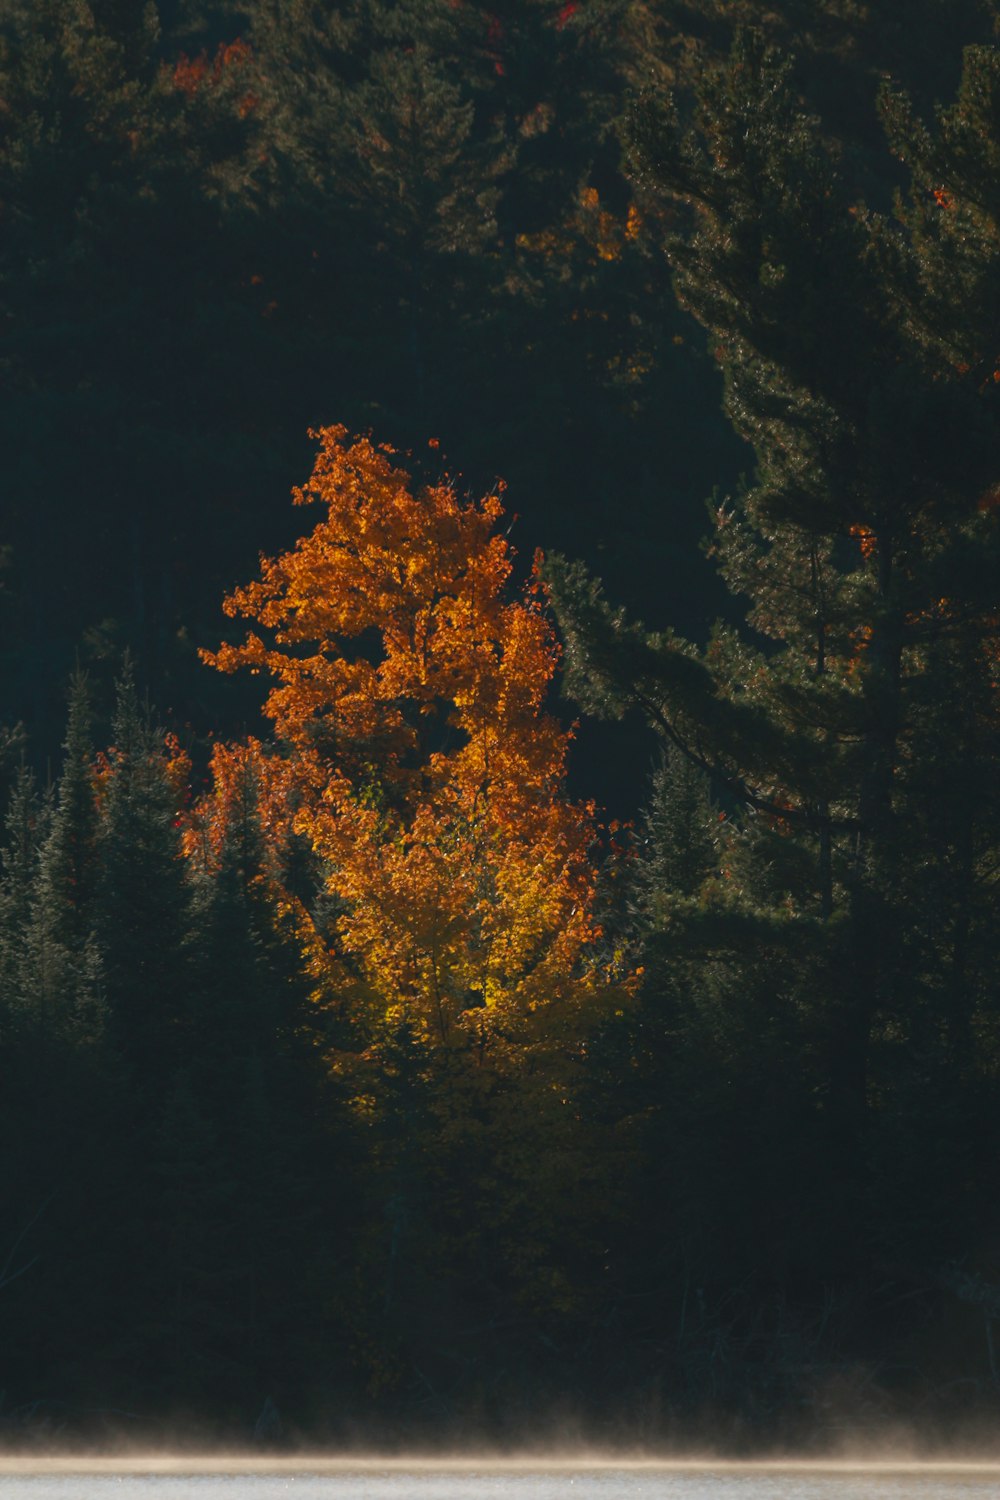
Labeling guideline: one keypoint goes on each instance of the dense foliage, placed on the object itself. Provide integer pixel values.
(352, 1068)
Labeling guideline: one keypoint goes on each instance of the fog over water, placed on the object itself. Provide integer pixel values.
(166, 1479)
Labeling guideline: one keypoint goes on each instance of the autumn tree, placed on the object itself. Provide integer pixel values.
(416, 754)
(452, 932)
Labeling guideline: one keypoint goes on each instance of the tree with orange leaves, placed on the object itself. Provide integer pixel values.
(415, 756)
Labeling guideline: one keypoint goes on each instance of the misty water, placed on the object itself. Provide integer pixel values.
(708, 1482)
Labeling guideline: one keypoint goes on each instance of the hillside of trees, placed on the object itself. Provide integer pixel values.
(499, 719)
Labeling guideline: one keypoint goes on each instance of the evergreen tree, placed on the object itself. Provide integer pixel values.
(260, 1086)
(118, 170)
(67, 874)
(55, 1079)
(142, 901)
(679, 847)
(25, 824)
(185, 1320)
(839, 719)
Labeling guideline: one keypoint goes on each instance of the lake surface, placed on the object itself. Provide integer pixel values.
(547, 1482)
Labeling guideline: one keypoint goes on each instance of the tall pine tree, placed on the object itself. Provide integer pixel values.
(853, 720)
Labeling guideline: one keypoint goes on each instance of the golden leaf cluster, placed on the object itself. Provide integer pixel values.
(414, 752)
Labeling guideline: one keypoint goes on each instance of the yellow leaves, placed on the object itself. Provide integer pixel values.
(859, 641)
(407, 695)
(603, 235)
(601, 228)
(545, 242)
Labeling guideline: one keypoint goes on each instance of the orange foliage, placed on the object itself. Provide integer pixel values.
(866, 537)
(417, 757)
(595, 227)
(177, 768)
(192, 74)
(245, 793)
(173, 760)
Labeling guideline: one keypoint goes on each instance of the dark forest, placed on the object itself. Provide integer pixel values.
(499, 719)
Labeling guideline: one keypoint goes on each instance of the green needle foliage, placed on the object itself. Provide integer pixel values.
(850, 723)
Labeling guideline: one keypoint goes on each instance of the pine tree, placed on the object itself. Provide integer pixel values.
(142, 899)
(185, 1317)
(121, 187)
(853, 722)
(261, 1083)
(26, 825)
(679, 847)
(388, 179)
(68, 863)
(57, 1087)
